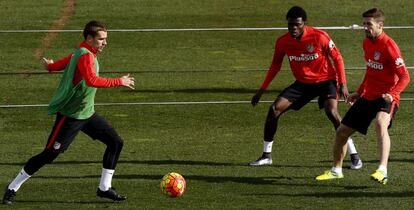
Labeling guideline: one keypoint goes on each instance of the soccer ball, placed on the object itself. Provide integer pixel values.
(173, 185)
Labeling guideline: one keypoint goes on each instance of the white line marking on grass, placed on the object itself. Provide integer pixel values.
(352, 27)
(161, 103)
(7, 72)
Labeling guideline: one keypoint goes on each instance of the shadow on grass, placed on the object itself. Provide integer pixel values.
(162, 162)
(396, 160)
(349, 194)
(204, 90)
(65, 202)
(269, 180)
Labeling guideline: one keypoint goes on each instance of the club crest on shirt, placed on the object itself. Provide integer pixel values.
(310, 48)
(377, 55)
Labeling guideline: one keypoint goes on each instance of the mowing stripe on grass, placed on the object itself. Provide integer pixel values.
(67, 12)
(352, 27)
(4, 72)
(160, 103)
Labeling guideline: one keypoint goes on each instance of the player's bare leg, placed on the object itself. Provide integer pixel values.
(331, 110)
(384, 146)
(339, 152)
(280, 106)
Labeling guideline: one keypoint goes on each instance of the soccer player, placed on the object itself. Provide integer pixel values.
(73, 104)
(310, 52)
(377, 97)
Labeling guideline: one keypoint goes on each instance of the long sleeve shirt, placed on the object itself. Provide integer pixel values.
(385, 72)
(85, 70)
(309, 58)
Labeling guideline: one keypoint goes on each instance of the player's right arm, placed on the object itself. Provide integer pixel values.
(58, 65)
(271, 73)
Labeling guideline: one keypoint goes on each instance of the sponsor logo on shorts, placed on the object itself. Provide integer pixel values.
(57, 145)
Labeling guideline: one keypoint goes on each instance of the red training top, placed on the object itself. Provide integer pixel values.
(309, 58)
(386, 71)
(85, 70)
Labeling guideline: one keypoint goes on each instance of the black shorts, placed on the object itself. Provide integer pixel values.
(65, 130)
(361, 114)
(301, 93)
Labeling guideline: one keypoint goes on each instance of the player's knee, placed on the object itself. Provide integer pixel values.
(114, 140)
(50, 155)
(331, 112)
(381, 126)
(119, 144)
(342, 132)
(274, 111)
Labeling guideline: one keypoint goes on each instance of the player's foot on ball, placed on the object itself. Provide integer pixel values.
(9, 195)
(380, 177)
(262, 161)
(356, 162)
(111, 194)
(328, 175)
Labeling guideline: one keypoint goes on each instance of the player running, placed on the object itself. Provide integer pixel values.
(73, 104)
(310, 52)
(377, 97)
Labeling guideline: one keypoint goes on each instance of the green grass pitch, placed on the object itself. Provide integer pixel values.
(209, 144)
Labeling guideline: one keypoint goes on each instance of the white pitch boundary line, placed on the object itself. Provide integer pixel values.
(161, 103)
(6, 72)
(352, 27)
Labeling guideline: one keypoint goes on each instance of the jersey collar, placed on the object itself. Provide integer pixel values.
(88, 47)
(379, 38)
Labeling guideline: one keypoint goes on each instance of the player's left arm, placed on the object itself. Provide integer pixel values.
(87, 70)
(58, 65)
(399, 68)
(333, 52)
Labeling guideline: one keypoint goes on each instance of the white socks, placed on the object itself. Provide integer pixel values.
(337, 170)
(383, 169)
(267, 146)
(106, 179)
(19, 180)
(104, 185)
(351, 146)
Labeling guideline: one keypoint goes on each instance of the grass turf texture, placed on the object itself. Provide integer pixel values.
(210, 145)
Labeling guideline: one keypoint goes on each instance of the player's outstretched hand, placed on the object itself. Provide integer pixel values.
(256, 98)
(128, 81)
(352, 98)
(46, 62)
(343, 90)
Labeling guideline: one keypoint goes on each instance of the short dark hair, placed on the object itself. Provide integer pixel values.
(296, 12)
(375, 13)
(92, 28)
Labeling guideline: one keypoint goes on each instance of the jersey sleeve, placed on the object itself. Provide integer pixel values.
(399, 67)
(333, 52)
(87, 70)
(361, 87)
(60, 64)
(275, 66)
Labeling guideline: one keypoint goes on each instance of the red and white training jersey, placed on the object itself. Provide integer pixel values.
(386, 71)
(310, 58)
